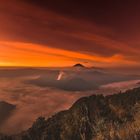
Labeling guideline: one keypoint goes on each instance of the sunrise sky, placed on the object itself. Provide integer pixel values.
(61, 33)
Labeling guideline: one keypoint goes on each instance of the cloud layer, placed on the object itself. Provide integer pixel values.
(46, 97)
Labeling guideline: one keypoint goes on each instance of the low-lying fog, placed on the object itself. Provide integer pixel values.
(43, 92)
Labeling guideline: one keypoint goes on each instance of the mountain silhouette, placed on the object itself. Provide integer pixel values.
(90, 118)
(5, 110)
(79, 65)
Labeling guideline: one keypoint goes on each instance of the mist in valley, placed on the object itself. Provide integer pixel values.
(34, 92)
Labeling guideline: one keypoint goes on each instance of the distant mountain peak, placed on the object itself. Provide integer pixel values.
(79, 65)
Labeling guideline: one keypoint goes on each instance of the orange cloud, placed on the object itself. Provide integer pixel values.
(64, 40)
(28, 54)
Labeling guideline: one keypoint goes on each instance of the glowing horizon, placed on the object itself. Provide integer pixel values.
(28, 54)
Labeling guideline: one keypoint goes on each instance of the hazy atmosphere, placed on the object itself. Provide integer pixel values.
(44, 91)
(53, 52)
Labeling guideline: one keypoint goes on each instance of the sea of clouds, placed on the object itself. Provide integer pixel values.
(42, 92)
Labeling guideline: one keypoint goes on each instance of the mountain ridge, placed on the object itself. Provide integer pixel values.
(91, 118)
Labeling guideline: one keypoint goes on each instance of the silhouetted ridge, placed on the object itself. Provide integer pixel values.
(5, 110)
(92, 118)
(79, 65)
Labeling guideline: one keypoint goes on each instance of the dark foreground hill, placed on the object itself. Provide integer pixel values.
(5, 111)
(115, 117)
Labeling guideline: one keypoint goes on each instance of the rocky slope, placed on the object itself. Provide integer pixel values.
(115, 117)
